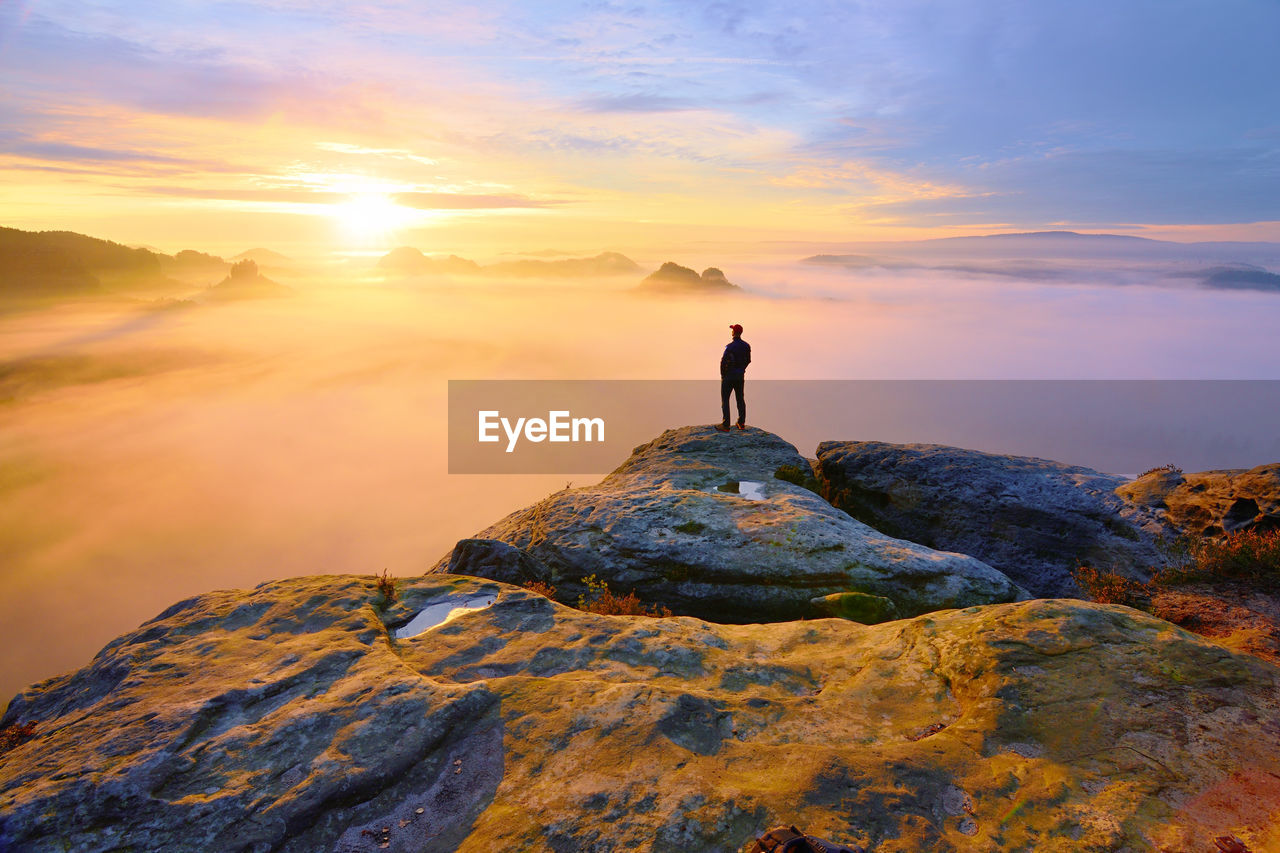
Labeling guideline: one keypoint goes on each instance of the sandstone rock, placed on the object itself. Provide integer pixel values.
(1210, 503)
(1033, 519)
(856, 606)
(673, 278)
(289, 718)
(696, 521)
(245, 282)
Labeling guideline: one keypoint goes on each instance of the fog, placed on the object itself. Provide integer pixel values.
(152, 453)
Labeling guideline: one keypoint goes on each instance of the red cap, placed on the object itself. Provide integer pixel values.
(737, 330)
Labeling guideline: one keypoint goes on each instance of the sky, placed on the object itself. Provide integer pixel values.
(496, 126)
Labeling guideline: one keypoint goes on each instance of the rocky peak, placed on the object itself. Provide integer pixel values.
(671, 277)
(700, 522)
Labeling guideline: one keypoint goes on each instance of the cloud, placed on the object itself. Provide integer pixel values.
(62, 63)
(463, 201)
(1115, 186)
(16, 144)
(636, 104)
(391, 153)
(263, 196)
(415, 200)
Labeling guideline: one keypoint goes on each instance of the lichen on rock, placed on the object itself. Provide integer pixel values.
(664, 525)
(289, 718)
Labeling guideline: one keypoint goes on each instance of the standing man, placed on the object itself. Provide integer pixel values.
(733, 370)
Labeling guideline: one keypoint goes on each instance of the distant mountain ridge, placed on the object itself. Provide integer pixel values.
(51, 264)
(1062, 255)
(66, 265)
(1044, 243)
(407, 260)
(673, 278)
(263, 257)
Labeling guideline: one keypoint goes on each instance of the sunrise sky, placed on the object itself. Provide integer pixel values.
(323, 125)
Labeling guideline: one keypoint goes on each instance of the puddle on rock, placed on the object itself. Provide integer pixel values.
(746, 489)
(443, 610)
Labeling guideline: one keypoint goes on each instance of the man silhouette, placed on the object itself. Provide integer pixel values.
(733, 371)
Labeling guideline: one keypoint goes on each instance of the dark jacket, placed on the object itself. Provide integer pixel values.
(737, 355)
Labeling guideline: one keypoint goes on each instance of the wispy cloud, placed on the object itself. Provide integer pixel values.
(636, 104)
(414, 200)
(462, 201)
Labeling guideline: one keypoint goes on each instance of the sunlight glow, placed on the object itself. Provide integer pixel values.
(372, 217)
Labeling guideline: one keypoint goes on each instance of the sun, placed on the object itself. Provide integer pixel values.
(372, 217)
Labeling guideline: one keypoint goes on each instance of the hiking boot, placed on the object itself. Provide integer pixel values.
(742, 424)
(723, 427)
(788, 839)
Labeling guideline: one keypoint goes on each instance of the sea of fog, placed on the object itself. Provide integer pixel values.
(150, 454)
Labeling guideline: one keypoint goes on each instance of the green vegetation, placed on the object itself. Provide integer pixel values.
(1161, 469)
(690, 527)
(600, 599)
(1250, 556)
(1110, 588)
(802, 477)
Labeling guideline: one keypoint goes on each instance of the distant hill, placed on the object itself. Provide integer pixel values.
(191, 263)
(1242, 277)
(407, 260)
(31, 266)
(605, 263)
(673, 278)
(1054, 245)
(245, 282)
(65, 264)
(264, 257)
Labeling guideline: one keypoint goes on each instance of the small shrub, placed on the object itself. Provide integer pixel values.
(1161, 469)
(691, 527)
(546, 590)
(802, 477)
(14, 736)
(386, 586)
(1246, 555)
(606, 603)
(1111, 588)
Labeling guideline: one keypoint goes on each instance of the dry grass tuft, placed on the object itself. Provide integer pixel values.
(386, 586)
(14, 736)
(1111, 588)
(546, 590)
(1249, 555)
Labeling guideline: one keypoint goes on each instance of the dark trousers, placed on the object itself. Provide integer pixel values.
(732, 383)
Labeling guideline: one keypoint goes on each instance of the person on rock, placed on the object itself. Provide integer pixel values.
(733, 370)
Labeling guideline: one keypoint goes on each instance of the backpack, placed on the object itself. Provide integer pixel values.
(788, 839)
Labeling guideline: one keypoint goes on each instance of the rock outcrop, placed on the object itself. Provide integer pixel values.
(673, 278)
(1210, 503)
(1033, 519)
(697, 521)
(245, 282)
(294, 718)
